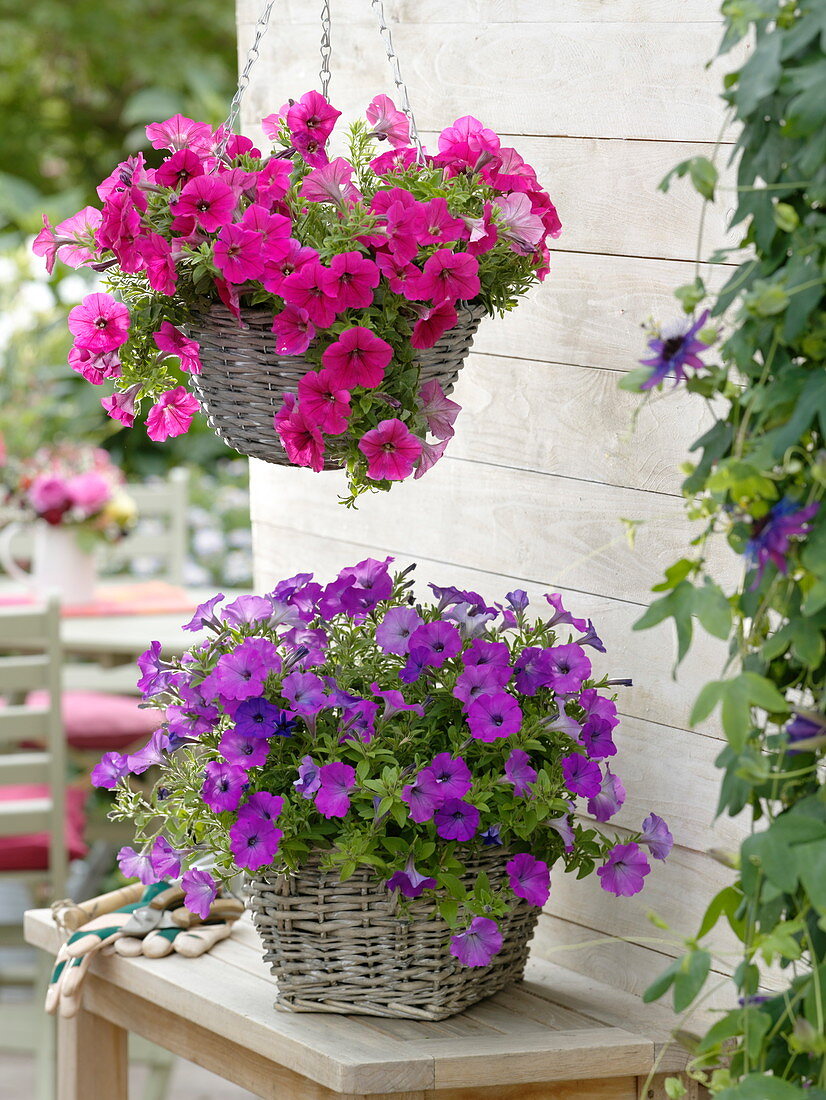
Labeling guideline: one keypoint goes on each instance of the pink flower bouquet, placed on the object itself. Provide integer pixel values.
(363, 261)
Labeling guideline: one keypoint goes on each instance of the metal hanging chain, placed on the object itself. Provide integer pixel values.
(401, 87)
(244, 78)
(326, 48)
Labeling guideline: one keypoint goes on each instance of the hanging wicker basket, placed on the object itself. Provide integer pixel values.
(351, 947)
(243, 380)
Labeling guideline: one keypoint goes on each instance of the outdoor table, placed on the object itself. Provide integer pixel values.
(555, 1036)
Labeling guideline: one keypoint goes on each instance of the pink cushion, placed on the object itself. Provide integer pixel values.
(101, 722)
(30, 852)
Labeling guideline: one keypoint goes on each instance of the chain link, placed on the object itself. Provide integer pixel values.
(244, 78)
(401, 87)
(326, 48)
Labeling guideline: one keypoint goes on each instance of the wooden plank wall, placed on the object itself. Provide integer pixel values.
(602, 96)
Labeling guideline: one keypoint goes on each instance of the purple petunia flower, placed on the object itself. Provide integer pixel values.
(609, 799)
(423, 796)
(394, 703)
(205, 616)
(256, 717)
(597, 739)
(471, 618)
(243, 749)
(312, 642)
(518, 599)
(623, 872)
(157, 675)
(490, 837)
(308, 780)
(369, 583)
(529, 878)
(153, 752)
(563, 723)
(487, 654)
(478, 680)
(533, 669)
(493, 716)
(439, 641)
(595, 704)
(569, 666)
(518, 771)
(110, 768)
(409, 882)
(591, 638)
(165, 860)
(562, 825)
(223, 785)
(262, 805)
(477, 945)
(359, 720)
(581, 776)
(657, 837)
(674, 349)
(253, 842)
(416, 661)
(451, 774)
(246, 610)
(304, 691)
(332, 798)
(803, 727)
(770, 536)
(561, 617)
(393, 632)
(456, 820)
(200, 891)
(240, 674)
(137, 865)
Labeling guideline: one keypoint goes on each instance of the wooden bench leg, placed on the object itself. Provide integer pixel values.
(92, 1060)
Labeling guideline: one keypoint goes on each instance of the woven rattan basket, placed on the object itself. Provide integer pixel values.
(243, 380)
(350, 947)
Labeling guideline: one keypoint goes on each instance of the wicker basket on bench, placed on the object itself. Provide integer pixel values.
(351, 947)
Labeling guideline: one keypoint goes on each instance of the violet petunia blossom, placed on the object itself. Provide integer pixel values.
(263, 805)
(591, 638)
(394, 630)
(609, 799)
(533, 669)
(529, 878)
(423, 796)
(657, 837)
(518, 599)
(305, 693)
(518, 771)
(562, 825)
(246, 610)
(243, 749)
(472, 619)
(332, 798)
(414, 666)
(200, 891)
(770, 536)
(452, 775)
(367, 584)
(569, 667)
(456, 820)
(309, 779)
(256, 717)
(394, 703)
(153, 752)
(597, 739)
(205, 615)
(595, 704)
(240, 674)
(437, 409)
(253, 842)
(493, 716)
(491, 836)
(359, 720)
(478, 680)
(137, 865)
(477, 945)
(480, 652)
(581, 776)
(409, 882)
(675, 348)
(165, 860)
(156, 675)
(624, 870)
(438, 640)
(223, 785)
(109, 769)
(804, 726)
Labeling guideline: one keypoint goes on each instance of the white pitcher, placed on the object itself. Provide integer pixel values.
(59, 563)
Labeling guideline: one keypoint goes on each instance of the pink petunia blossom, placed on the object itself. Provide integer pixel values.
(99, 323)
(95, 366)
(437, 409)
(387, 122)
(356, 277)
(431, 453)
(391, 450)
(159, 263)
(171, 414)
(89, 491)
(446, 276)
(75, 237)
(312, 288)
(121, 405)
(273, 182)
(323, 402)
(466, 141)
(483, 232)
(357, 358)
(477, 945)
(237, 254)
(170, 339)
(300, 438)
(394, 160)
(282, 257)
(434, 321)
(438, 225)
(518, 224)
(208, 200)
(332, 183)
(45, 244)
(178, 169)
(294, 331)
(311, 149)
(270, 227)
(396, 271)
(529, 878)
(229, 296)
(179, 132)
(312, 115)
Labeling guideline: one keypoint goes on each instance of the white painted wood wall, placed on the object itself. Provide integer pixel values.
(602, 96)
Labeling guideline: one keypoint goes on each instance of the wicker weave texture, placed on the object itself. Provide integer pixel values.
(350, 947)
(243, 380)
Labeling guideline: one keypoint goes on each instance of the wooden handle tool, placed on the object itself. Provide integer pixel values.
(70, 916)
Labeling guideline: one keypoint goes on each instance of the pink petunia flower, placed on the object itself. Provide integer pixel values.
(237, 254)
(170, 339)
(439, 411)
(178, 169)
(431, 453)
(357, 358)
(179, 132)
(466, 141)
(273, 182)
(387, 122)
(159, 263)
(171, 414)
(477, 945)
(446, 276)
(518, 224)
(483, 231)
(99, 323)
(394, 160)
(332, 183)
(300, 438)
(438, 224)
(356, 277)
(324, 402)
(282, 257)
(294, 331)
(313, 289)
(391, 450)
(529, 878)
(312, 115)
(208, 200)
(121, 405)
(396, 271)
(270, 227)
(73, 239)
(433, 323)
(332, 798)
(95, 366)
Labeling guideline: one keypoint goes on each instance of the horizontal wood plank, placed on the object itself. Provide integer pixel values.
(659, 86)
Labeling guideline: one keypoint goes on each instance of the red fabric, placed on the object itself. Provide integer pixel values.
(101, 722)
(140, 598)
(30, 852)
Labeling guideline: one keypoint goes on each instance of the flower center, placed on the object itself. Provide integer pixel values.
(202, 206)
(672, 346)
(101, 322)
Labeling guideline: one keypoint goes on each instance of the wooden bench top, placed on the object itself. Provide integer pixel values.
(556, 1026)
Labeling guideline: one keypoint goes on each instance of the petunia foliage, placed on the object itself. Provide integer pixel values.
(755, 353)
(387, 733)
